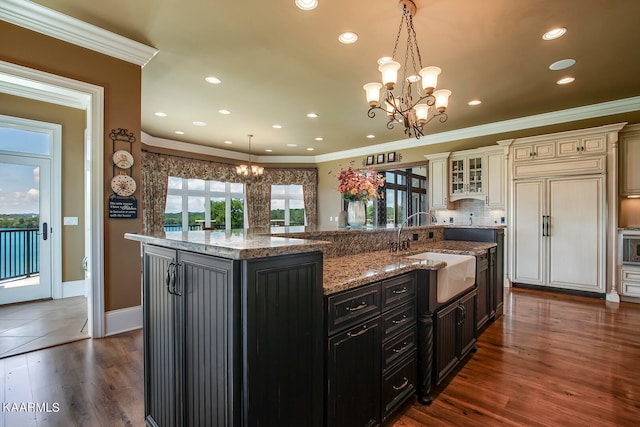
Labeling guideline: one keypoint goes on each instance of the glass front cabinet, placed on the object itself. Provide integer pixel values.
(467, 177)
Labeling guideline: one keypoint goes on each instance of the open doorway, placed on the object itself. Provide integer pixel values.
(33, 84)
(38, 307)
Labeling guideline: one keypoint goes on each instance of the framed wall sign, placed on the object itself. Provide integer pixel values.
(369, 160)
(380, 158)
(391, 157)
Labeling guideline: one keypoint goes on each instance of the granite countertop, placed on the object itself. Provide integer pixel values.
(343, 273)
(229, 245)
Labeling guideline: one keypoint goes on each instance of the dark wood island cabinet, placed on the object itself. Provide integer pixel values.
(371, 346)
(232, 340)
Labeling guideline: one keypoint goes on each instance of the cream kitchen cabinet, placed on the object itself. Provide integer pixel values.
(438, 182)
(559, 232)
(495, 185)
(467, 176)
(596, 144)
(630, 276)
(537, 151)
(629, 161)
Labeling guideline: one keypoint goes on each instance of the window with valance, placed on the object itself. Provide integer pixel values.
(157, 168)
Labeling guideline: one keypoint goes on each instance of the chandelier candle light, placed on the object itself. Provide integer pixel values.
(429, 103)
(249, 173)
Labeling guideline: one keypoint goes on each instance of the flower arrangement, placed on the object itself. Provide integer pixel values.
(359, 185)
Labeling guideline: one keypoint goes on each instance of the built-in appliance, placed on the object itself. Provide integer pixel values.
(631, 249)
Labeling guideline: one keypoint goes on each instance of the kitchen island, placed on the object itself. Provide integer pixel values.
(236, 327)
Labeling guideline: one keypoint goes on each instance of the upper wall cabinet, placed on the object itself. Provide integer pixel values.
(467, 176)
(629, 161)
(542, 150)
(438, 183)
(560, 148)
(471, 174)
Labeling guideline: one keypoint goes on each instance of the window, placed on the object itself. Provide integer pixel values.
(287, 205)
(405, 193)
(196, 204)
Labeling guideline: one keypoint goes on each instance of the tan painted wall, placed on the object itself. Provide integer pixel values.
(73, 125)
(122, 90)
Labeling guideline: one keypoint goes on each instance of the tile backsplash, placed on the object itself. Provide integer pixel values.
(474, 209)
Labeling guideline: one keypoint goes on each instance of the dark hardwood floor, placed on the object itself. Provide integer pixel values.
(551, 360)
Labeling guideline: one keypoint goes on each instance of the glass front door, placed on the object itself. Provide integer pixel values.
(25, 228)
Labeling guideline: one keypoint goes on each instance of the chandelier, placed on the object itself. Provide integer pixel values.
(249, 173)
(416, 104)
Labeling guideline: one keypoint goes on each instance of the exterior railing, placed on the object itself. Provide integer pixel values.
(19, 253)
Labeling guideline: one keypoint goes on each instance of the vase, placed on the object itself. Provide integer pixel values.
(356, 214)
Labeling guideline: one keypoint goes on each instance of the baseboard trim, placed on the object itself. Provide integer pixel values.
(123, 320)
(74, 288)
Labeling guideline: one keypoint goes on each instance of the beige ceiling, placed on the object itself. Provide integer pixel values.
(277, 63)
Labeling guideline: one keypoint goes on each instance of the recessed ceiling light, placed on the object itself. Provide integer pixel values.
(312, 115)
(562, 64)
(161, 114)
(228, 142)
(307, 4)
(474, 102)
(268, 150)
(310, 149)
(277, 126)
(213, 80)
(371, 136)
(224, 111)
(179, 132)
(292, 145)
(348, 37)
(318, 138)
(565, 80)
(196, 123)
(554, 34)
(384, 59)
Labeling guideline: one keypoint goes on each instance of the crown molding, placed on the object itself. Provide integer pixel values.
(619, 106)
(35, 17)
(609, 108)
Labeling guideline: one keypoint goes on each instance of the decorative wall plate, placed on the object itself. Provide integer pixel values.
(123, 159)
(123, 185)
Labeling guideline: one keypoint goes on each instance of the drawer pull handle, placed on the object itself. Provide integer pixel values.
(403, 385)
(401, 291)
(398, 350)
(359, 307)
(360, 332)
(397, 322)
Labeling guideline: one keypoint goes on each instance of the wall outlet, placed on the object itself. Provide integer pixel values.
(431, 234)
(501, 220)
(415, 236)
(450, 220)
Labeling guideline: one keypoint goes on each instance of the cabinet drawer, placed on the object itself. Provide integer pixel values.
(398, 319)
(631, 289)
(398, 290)
(348, 308)
(631, 275)
(398, 384)
(398, 347)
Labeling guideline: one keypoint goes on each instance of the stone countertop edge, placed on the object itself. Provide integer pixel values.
(345, 273)
(238, 248)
